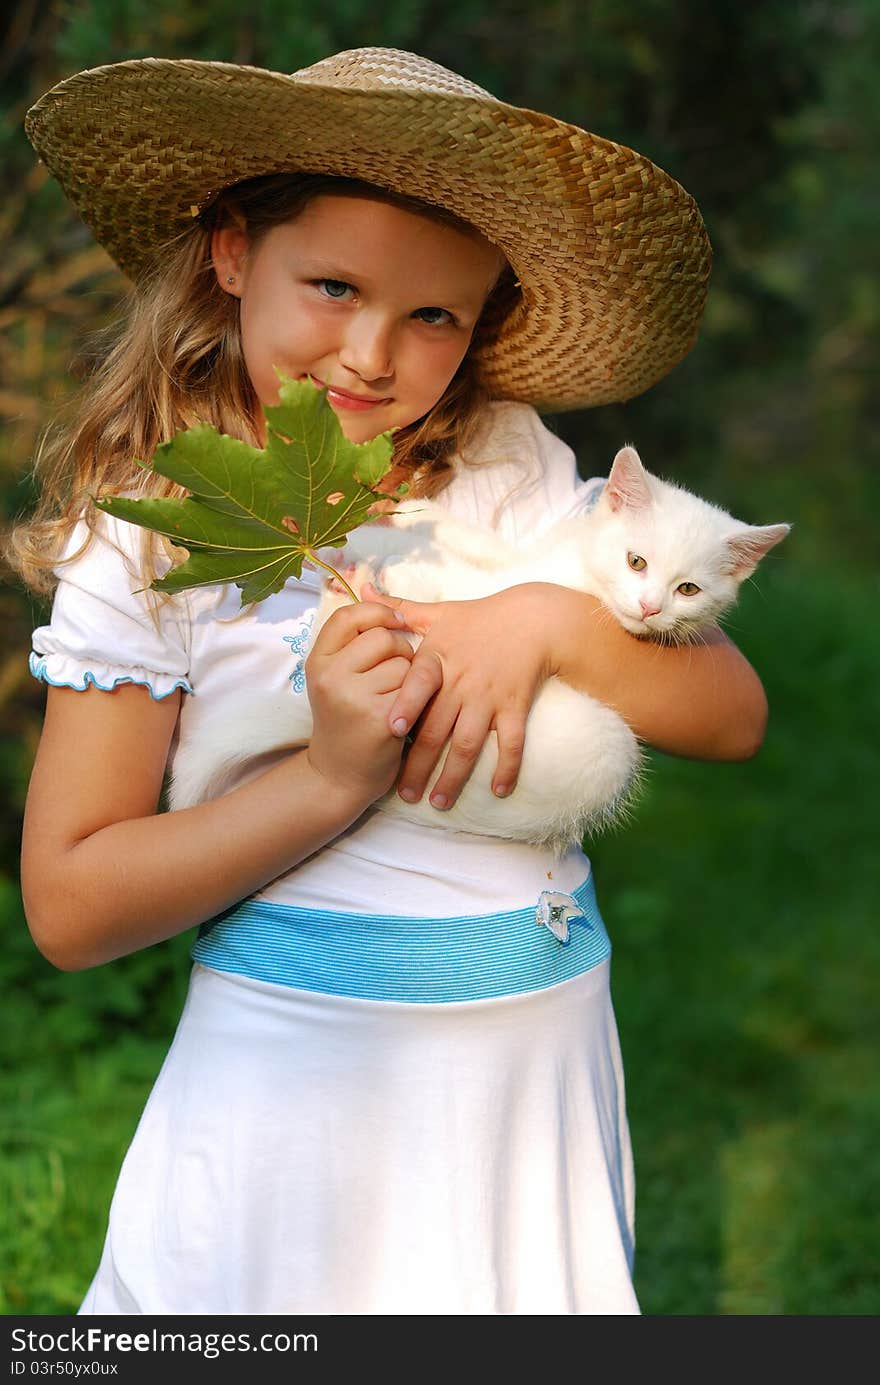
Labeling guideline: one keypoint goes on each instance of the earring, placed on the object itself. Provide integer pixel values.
(231, 279)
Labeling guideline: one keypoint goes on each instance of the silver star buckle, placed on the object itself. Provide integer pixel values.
(556, 911)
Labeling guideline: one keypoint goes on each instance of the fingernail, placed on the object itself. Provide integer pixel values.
(409, 795)
(439, 800)
(501, 789)
(398, 726)
(400, 617)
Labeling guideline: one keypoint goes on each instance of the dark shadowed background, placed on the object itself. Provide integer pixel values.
(742, 902)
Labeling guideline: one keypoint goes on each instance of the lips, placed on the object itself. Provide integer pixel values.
(343, 400)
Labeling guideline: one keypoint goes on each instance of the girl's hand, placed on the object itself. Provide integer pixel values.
(479, 668)
(483, 662)
(354, 672)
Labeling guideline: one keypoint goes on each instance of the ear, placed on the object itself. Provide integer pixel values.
(627, 485)
(229, 246)
(749, 545)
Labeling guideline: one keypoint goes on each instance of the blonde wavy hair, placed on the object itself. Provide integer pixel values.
(175, 359)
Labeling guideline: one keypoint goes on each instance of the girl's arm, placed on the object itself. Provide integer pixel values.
(483, 662)
(104, 875)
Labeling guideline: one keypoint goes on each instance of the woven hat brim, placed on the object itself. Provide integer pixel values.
(611, 252)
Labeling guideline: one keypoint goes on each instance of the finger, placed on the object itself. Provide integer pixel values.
(428, 743)
(418, 615)
(388, 676)
(350, 621)
(468, 740)
(372, 647)
(425, 678)
(510, 728)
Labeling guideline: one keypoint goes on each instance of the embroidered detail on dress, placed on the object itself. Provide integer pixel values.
(298, 647)
(556, 911)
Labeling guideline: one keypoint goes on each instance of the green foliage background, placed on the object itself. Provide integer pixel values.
(743, 901)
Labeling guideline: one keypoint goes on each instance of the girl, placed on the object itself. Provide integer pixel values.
(390, 1091)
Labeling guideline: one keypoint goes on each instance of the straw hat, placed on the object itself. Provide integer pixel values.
(611, 252)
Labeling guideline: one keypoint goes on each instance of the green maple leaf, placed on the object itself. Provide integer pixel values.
(253, 514)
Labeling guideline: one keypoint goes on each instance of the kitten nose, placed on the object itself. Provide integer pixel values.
(648, 609)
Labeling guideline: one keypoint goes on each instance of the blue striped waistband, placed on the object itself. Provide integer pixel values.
(420, 960)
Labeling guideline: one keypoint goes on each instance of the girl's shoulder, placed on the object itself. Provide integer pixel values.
(105, 626)
(516, 475)
(510, 433)
(100, 543)
(120, 560)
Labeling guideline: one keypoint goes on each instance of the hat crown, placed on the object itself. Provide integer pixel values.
(610, 253)
(377, 69)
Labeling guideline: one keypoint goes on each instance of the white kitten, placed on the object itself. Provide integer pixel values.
(665, 563)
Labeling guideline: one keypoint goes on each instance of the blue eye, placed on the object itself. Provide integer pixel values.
(435, 317)
(334, 288)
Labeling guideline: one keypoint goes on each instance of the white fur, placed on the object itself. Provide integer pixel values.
(581, 762)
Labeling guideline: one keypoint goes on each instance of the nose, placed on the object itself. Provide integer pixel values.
(367, 349)
(648, 609)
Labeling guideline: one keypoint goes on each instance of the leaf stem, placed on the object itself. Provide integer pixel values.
(313, 557)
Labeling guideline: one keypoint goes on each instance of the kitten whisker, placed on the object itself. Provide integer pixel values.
(755, 585)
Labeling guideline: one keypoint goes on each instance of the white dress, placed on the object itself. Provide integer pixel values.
(396, 1086)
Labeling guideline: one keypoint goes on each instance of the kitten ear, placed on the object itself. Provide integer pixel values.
(627, 485)
(750, 544)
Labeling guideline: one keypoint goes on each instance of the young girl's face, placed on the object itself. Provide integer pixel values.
(373, 301)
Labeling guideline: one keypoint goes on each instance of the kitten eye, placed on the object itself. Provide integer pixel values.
(636, 563)
(688, 589)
